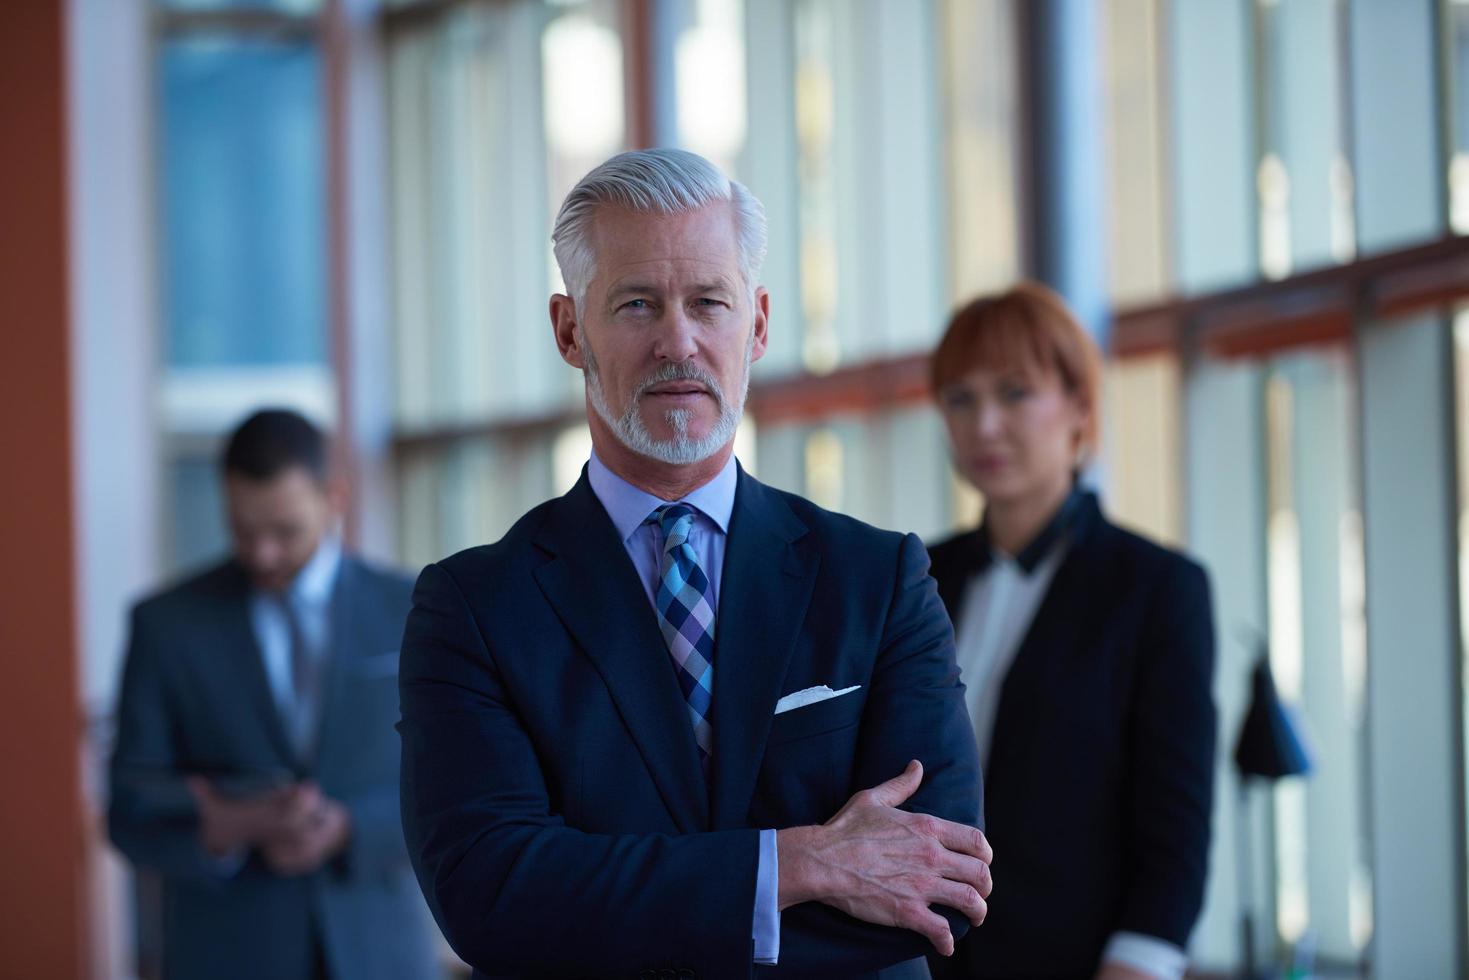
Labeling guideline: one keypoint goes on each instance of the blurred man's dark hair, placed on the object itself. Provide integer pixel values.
(272, 441)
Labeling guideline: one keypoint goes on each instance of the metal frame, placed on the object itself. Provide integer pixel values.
(1248, 321)
(336, 61)
(1309, 307)
(256, 23)
(327, 28)
(1443, 281)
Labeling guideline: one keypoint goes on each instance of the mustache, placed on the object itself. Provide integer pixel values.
(678, 371)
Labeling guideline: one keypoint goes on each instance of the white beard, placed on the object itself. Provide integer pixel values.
(681, 450)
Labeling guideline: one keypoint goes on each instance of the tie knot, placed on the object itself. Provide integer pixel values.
(674, 520)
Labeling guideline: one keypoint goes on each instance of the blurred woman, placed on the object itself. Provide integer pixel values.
(1087, 653)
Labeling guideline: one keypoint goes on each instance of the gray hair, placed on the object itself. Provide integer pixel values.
(657, 181)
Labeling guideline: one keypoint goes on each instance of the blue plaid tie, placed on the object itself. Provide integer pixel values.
(686, 616)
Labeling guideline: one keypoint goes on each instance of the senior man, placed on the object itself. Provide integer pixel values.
(678, 723)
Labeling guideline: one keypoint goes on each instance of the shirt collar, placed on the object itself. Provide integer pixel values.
(1050, 536)
(629, 506)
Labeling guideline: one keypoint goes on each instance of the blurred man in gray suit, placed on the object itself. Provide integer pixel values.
(256, 765)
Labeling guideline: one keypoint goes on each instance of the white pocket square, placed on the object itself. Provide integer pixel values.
(799, 699)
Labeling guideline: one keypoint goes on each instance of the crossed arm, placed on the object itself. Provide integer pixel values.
(504, 875)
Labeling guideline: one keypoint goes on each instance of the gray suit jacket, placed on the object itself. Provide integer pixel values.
(196, 699)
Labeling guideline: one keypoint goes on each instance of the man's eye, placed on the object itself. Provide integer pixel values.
(1015, 394)
(635, 304)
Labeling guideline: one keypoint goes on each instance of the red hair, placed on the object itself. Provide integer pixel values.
(1027, 328)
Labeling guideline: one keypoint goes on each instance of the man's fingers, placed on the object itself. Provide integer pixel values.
(288, 858)
(968, 871)
(933, 927)
(302, 806)
(957, 895)
(964, 839)
(307, 797)
(900, 787)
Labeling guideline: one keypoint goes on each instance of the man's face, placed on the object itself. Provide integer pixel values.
(277, 523)
(667, 331)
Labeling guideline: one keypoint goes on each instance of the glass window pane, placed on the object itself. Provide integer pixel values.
(241, 181)
(868, 162)
(826, 465)
(889, 467)
(1317, 641)
(709, 81)
(780, 457)
(1405, 422)
(472, 208)
(585, 121)
(1304, 181)
(195, 528)
(816, 119)
(1461, 405)
(1134, 151)
(766, 168)
(982, 127)
(1397, 152)
(1457, 28)
(1142, 400)
(1211, 144)
(470, 491)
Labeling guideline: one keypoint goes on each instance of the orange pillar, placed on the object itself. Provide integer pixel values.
(43, 930)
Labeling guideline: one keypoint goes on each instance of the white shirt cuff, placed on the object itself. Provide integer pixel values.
(767, 902)
(1147, 954)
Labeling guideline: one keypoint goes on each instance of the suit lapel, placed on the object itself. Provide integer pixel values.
(351, 634)
(594, 588)
(764, 591)
(954, 567)
(1055, 633)
(243, 656)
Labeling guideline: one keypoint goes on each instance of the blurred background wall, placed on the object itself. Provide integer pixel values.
(344, 206)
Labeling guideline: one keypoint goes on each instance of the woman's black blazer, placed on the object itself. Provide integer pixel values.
(1100, 778)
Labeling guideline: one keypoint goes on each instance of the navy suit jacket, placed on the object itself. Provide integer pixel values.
(552, 795)
(196, 698)
(1101, 768)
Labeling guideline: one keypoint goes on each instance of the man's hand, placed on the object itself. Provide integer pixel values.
(1121, 971)
(886, 866)
(227, 824)
(296, 827)
(300, 848)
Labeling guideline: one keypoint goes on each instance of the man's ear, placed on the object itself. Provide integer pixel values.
(762, 323)
(563, 325)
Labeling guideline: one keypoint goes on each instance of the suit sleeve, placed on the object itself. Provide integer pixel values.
(1170, 746)
(376, 846)
(514, 890)
(151, 817)
(915, 710)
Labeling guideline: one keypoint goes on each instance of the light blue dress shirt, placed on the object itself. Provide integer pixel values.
(713, 505)
(310, 596)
